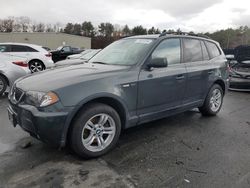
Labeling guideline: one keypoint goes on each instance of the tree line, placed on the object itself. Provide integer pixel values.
(106, 32)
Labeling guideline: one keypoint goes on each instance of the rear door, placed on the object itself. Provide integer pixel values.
(19, 50)
(161, 89)
(196, 60)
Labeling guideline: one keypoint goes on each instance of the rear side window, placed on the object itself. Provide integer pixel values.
(18, 48)
(29, 49)
(4, 48)
(192, 50)
(169, 49)
(204, 51)
(213, 49)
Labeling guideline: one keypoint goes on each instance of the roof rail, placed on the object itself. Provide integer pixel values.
(183, 33)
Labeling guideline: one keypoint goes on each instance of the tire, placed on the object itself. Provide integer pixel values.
(87, 135)
(36, 66)
(213, 101)
(3, 85)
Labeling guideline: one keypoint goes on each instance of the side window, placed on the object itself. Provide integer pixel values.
(18, 48)
(169, 49)
(29, 49)
(204, 51)
(4, 48)
(192, 50)
(213, 49)
(66, 49)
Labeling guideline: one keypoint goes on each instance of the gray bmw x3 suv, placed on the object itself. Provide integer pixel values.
(132, 81)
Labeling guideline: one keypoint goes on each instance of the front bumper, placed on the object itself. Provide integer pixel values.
(45, 126)
(241, 84)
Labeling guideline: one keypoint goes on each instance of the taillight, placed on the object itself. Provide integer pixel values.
(48, 55)
(21, 63)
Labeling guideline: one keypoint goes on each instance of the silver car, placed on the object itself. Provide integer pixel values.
(11, 68)
(79, 60)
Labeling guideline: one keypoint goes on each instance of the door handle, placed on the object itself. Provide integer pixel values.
(180, 77)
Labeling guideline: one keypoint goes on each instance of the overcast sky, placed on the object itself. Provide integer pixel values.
(189, 15)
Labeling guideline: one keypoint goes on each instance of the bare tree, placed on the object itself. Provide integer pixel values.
(6, 25)
(40, 27)
(24, 22)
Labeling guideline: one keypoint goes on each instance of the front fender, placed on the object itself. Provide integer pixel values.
(76, 109)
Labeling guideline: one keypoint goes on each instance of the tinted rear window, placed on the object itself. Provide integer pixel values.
(213, 49)
(192, 50)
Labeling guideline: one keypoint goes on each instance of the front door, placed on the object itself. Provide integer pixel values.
(162, 89)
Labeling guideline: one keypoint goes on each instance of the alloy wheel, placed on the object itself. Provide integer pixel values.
(215, 100)
(98, 132)
(36, 66)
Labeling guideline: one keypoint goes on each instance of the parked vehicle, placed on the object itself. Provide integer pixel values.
(240, 76)
(62, 52)
(77, 56)
(38, 58)
(132, 81)
(240, 53)
(11, 68)
(83, 58)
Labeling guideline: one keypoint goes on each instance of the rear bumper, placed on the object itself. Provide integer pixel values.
(45, 126)
(239, 84)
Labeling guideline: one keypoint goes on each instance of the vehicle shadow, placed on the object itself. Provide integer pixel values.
(134, 139)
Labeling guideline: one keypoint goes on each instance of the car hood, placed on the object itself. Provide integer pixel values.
(69, 62)
(75, 56)
(54, 79)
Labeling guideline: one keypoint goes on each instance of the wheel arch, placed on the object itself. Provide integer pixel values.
(222, 84)
(110, 100)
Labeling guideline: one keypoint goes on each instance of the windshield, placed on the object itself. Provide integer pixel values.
(123, 52)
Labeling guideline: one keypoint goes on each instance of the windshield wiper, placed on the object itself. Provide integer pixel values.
(99, 62)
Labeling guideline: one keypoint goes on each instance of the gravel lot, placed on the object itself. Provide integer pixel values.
(186, 150)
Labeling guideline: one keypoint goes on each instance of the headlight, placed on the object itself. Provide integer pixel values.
(41, 99)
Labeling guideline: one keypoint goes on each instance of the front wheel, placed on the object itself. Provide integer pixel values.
(213, 101)
(95, 131)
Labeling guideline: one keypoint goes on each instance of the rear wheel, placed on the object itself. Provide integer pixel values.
(36, 66)
(3, 85)
(95, 131)
(213, 101)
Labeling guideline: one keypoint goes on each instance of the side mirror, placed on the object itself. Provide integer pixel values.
(230, 57)
(62, 50)
(158, 63)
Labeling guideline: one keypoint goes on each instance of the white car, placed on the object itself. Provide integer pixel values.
(38, 58)
(11, 68)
